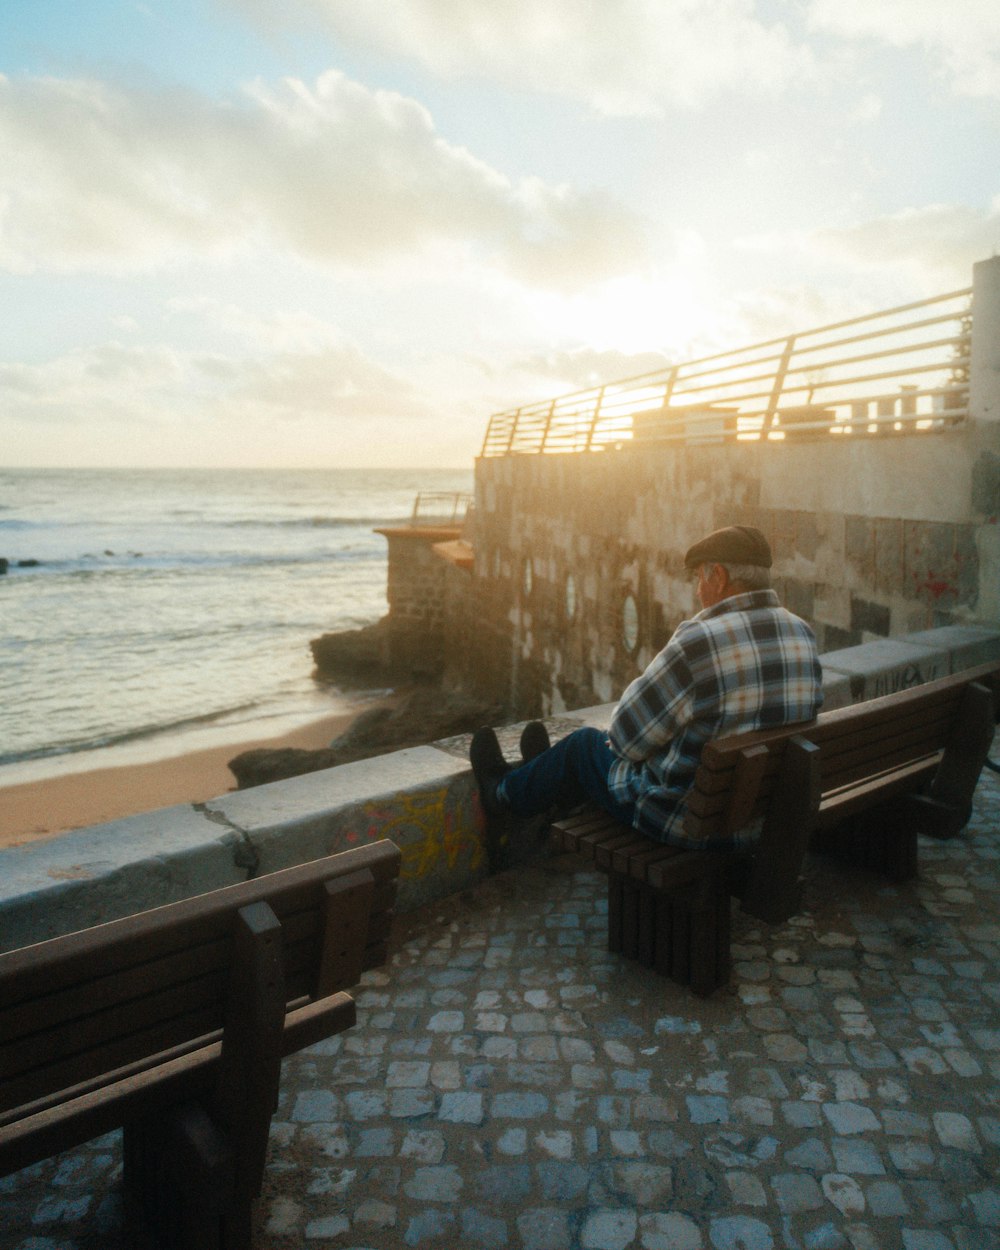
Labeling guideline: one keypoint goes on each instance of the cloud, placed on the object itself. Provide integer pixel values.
(963, 35)
(151, 386)
(938, 242)
(621, 57)
(108, 179)
(583, 368)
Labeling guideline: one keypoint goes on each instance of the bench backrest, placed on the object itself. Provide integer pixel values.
(118, 995)
(903, 731)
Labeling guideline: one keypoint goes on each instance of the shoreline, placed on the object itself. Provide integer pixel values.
(32, 811)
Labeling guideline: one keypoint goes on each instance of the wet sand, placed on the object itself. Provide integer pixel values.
(34, 810)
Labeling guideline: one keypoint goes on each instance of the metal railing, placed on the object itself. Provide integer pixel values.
(901, 370)
(440, 507)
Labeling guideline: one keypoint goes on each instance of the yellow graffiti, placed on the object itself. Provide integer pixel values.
(443, 836)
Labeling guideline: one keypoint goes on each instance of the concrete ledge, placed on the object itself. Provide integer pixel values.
(116, 869)
(883, 667)
(422, 798)
(890, 664)
(966, 645)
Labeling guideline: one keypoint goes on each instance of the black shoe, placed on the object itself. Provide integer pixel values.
(489, 767)
(534, 740)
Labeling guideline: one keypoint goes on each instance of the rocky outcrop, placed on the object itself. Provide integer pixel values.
(421, 716)
(354, 658)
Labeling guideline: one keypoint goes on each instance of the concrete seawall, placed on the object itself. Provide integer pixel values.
(423, 798)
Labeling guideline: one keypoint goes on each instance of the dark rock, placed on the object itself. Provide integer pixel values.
(353, 657)
(28, 564)
(421, 716)
(3, 566)
(258, 767)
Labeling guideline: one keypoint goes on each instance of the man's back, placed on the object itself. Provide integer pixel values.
(743, 663)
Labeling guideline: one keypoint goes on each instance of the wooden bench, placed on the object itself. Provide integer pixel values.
(860, 781)
(173, 1023)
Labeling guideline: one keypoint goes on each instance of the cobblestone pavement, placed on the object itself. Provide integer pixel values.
(509, 1083)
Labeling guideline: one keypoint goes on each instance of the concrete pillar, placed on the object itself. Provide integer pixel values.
(984, 366)
(984, 414)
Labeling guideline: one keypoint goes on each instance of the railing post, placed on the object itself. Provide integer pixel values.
(513, 431)
(593, 420)
(668, 389)
(984, 363)
(548, 423)
(779, 384)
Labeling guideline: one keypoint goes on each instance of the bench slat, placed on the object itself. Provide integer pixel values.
(68, 1057)
(185, 982)
(912, 736)
(72, 1118)
(710, 817)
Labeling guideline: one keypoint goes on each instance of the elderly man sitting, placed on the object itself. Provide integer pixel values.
(743, 662)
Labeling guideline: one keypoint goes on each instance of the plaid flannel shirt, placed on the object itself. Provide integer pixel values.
(744, 663)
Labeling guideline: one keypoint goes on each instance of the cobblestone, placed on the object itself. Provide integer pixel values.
(511, 1084)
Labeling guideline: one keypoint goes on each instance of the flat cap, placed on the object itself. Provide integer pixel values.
(736, 544)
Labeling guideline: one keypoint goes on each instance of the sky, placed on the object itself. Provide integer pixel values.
(327, 233)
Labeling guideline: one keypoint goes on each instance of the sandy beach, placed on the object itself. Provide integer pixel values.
(40, 809)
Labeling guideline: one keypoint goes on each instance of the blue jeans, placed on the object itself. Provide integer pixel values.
(567, 774)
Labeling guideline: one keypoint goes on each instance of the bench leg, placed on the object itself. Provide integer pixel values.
(615, 891)
(710, 936)
(664, 935)
(630, 919)
(773, 891)
(684, 935)
(882, 840)
(178, 1180)
(139, 1159)
(680, 940)
(724, 937)
(964, 755)
(647, 927)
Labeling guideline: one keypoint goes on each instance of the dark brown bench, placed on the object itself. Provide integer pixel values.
(173, 1023)
(860, 781)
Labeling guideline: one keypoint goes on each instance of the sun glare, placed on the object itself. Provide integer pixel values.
(631, 315)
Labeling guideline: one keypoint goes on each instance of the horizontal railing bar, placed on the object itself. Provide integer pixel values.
(885, 332)
(886, 354)
(890, 312)
(939, 367)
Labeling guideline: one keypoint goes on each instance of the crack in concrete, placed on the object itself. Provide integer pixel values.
(244, 852)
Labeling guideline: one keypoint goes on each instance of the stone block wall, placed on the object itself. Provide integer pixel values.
(417, 594)
(570, 550)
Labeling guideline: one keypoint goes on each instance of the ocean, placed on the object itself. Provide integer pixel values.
(146, 613)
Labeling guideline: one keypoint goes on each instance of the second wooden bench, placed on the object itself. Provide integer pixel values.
(862, 781)
(173, 1023)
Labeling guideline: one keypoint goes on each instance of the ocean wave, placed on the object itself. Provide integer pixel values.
(140, 734)
(91, 565)
(312, 522)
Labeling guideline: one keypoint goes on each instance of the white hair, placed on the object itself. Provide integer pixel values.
(753, 576)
